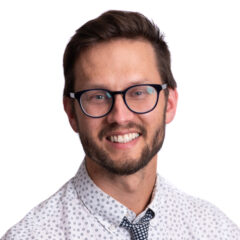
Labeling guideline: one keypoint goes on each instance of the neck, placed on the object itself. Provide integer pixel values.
(134, 191)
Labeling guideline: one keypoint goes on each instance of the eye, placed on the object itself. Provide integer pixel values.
(99, 96)
(138, 93)
(96, 97)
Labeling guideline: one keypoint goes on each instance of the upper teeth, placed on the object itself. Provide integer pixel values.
(124, 138)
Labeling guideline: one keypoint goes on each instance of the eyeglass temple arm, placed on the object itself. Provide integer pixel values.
(72, 95)
(164, 86)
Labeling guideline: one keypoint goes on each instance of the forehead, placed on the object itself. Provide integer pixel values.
(116, 64)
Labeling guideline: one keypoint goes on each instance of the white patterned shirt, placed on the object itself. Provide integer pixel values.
(81, 210)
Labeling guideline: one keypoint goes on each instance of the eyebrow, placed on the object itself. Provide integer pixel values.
(102, 86)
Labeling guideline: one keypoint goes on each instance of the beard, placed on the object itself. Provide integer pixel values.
(129, 165)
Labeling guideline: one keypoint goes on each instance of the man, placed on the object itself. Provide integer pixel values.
(119, 94)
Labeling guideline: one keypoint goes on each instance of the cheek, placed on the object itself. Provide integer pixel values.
(85, 123)
(154, 118)
(153, 121)
(89, 126)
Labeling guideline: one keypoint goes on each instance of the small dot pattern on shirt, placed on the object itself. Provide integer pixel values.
(81, 210)
(139, 231)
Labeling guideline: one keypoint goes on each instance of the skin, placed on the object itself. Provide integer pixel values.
(116, 65)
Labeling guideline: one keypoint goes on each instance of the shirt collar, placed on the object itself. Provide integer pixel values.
(157, 200)
(108, 211)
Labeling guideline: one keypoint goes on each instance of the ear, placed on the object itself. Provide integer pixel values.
(69, 109)
(171, 105)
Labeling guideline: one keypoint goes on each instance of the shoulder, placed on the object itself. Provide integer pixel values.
(195, 216)
(37, 224)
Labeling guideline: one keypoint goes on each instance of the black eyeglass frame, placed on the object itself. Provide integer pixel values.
(77, 96)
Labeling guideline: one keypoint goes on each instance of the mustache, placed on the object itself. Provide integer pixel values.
(115, 127)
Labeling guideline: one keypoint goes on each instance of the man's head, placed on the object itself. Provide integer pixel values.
(112, 25)
(114, 52)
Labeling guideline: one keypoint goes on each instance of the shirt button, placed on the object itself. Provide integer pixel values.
(112, 228)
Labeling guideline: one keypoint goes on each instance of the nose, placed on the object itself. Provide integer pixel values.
(120, 113)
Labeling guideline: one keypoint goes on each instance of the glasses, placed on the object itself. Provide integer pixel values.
(140, 99)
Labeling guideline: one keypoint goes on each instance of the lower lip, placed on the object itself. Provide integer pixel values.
(124, 145)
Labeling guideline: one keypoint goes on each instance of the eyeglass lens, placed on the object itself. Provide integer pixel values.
(139, 99)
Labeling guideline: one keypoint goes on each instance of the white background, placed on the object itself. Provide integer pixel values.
(38, 150)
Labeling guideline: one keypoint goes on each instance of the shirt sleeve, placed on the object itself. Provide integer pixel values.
(213, 223)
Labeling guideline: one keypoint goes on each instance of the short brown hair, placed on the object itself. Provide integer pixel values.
(117, 24)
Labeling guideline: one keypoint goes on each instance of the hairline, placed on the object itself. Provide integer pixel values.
(136, 38)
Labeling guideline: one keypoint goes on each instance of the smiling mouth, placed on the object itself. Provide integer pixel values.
(125, 138)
